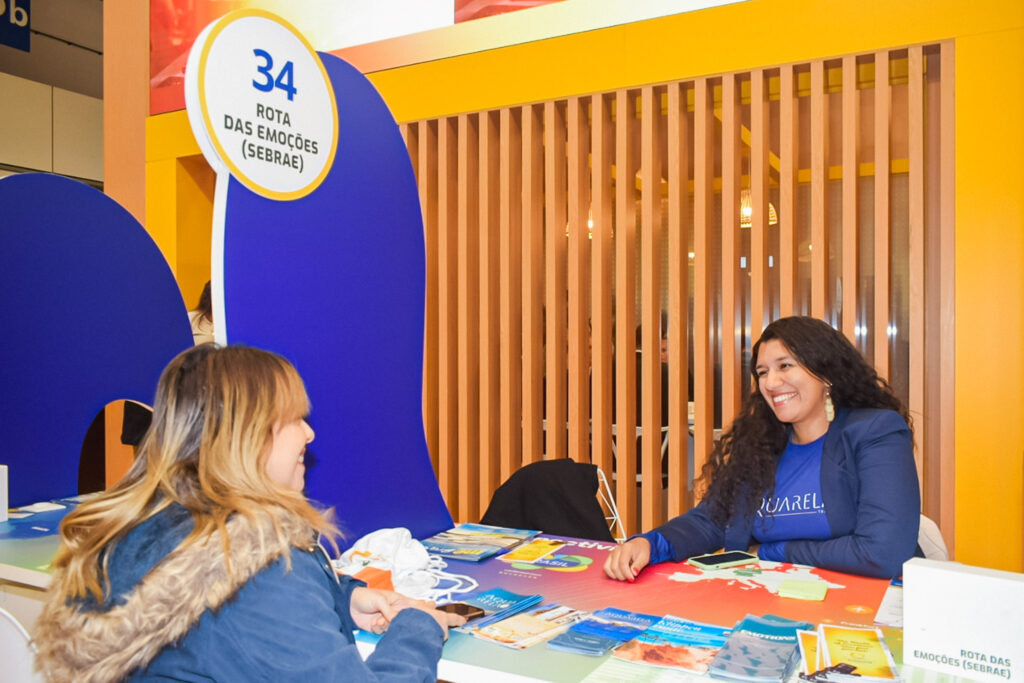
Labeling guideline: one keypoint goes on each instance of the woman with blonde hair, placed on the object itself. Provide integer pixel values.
(204, 561)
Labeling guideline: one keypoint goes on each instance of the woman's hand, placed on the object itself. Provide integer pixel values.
(445, 620)
(373, 609)
(626, 561)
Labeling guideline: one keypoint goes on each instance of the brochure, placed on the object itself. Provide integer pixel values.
(532, 551)
(759, 650)
(497, 604)
(859, 647)
(528, 628)
(809, 660)
(675, 643)
(602, 631)
(475, 542)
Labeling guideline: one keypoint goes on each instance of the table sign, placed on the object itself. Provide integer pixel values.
(962, 620)
(261, 104)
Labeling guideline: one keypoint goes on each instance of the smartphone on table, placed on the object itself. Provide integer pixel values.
(732, 558)
(462, 609)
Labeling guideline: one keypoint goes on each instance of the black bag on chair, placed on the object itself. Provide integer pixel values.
(556, 496)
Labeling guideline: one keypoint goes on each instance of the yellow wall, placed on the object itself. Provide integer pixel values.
(990, 295)
(989, 49)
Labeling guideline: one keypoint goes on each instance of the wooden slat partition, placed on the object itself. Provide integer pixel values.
(602, 193)
(579, 278)
(533, 284)
(447, 311)
(680, 478)
(883, 104)
(703, 356)
(731, 352)
(532, 314)
(819, 192)
(555, 292)
(789, 148)
(469, 316)
(850, 226)
(916, 307)
(759, 172)
(626, 163)
(489, 204)
(650, 279)
(946, 295)
(510, 184)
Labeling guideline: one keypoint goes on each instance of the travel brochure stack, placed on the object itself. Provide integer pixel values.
(675, 643)
(476, 542)
(836, 653)
(602, 631)
(757, 649)
(497, 604)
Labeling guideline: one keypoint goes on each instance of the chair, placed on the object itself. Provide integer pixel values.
(556, 496)
(604, 492)
(16, 651)
(930, 540)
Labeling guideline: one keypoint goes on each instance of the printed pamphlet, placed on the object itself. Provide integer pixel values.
(528, 628)
(475, 542)
(860, 647)
(497, 604)
(534, 550)
(676, 643)
(602, 631)
(809, 660)
(759, 650)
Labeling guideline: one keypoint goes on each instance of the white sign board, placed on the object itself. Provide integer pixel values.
(964, 621)
(261, 104)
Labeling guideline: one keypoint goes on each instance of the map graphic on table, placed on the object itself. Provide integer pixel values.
(574, 576)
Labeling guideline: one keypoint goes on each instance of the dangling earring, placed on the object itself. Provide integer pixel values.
(830, 410)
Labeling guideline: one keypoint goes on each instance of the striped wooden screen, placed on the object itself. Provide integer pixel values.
(566, 237)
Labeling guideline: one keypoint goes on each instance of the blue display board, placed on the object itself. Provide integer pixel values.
(92, 314)
(335, 281)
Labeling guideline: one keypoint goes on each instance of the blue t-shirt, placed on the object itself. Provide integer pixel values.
(795, 509)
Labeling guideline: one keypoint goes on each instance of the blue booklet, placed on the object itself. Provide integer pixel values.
(759, 650)
(497, 604)
(602, 631)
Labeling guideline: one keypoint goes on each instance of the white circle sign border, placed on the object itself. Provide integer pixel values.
(208, 138)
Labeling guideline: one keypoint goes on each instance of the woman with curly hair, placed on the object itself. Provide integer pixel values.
(204, 562)
(817, 468)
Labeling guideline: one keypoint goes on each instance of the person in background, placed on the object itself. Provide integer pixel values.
(201, 318)
(137, 417)
(204, 562)
(817, 468)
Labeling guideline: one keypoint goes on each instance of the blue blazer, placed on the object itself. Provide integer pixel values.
(872, 501)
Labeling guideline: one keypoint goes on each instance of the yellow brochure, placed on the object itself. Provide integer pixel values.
(534, 550)
(809, 660)
(863, 648)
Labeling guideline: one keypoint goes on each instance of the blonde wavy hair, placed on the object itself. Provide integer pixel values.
(214, 417)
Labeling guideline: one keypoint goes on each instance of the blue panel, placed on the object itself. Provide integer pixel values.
(92, 314)
(16, 24)
(335, 282)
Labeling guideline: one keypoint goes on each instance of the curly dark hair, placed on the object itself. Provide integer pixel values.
(741, 468)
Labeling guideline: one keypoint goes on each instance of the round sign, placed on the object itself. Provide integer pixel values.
(261, 104)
